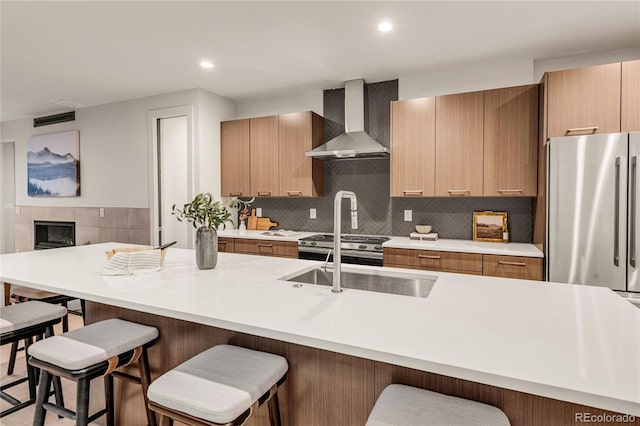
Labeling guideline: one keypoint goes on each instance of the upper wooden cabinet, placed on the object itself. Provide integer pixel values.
(630, 101)
(234, 148)
(413, 145)
(510, 141)
(264, 156)
(459, 146)
(300, 175)
(584, 100)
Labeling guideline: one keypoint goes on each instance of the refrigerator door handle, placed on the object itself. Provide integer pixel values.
(632, 222)
(616, 217)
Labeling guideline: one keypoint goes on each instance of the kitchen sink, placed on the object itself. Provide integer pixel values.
(406, 284)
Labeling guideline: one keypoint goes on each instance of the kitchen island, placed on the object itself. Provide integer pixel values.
(540, 351)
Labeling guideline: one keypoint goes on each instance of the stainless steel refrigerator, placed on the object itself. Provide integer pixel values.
(593, 217)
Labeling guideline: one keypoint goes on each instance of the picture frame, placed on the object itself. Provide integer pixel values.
(53, 165)
(489, 226)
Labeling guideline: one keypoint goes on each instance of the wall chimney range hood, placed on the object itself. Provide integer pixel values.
(355, 142)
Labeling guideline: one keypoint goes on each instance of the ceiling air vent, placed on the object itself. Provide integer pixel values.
(53, 119)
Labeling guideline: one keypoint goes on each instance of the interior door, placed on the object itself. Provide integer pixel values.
(588, 210)
(633, 276)
(173, 178)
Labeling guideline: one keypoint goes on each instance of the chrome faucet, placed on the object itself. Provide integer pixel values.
(337, 240)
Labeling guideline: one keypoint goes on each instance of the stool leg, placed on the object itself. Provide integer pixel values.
(84, 311)
(65, 319)
(12, 358)
(145, 380)
(32, 373)
(108, 399)
(82, 403)
(165, 420)
(43, 393)
(274, 410)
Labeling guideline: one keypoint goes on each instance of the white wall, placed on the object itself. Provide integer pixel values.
(465, 79)
(540, 67)
(114, 148)
(304, 101)
(212, 110)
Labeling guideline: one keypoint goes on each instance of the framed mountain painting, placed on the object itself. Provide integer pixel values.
(53, 165)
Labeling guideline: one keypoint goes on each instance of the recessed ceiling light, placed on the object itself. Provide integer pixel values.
(385, 26)
(206, 65)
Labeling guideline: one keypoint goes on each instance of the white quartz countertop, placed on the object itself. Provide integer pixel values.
(573, 343)
(466, 246)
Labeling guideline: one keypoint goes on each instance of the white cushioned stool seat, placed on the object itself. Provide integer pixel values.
(218, 384)
(23, 315)
(92, 344)
(409, 406)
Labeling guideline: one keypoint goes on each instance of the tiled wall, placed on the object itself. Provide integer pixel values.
(369, 179)
(124, 225)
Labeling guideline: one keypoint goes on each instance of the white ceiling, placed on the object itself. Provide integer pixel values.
(100, 52)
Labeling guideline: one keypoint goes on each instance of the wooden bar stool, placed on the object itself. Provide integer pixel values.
(220, 386)
(409, 406)
(86, 353)
(25, 321)
(21, 294)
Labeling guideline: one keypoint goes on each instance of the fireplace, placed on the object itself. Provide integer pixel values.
(53, 234)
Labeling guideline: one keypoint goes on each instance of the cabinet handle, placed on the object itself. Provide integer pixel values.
(510, 190)
(235, 194)
(264, 193)
(222, 242)
(412, 192)
(458, 191)
(265, 245)
(426, 256)
(294, 193)
(592, 129)
(504, 262)
(616, 218)
(632, 214)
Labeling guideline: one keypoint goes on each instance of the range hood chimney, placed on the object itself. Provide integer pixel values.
(355, 142)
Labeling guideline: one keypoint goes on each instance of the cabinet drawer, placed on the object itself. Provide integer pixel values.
(526, 268)
(445, 261)
(267, 248)
(226, 245)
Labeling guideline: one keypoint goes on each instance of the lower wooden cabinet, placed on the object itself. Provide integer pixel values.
(267, 247)
(528, 268)
(444, 261)
(226, 245)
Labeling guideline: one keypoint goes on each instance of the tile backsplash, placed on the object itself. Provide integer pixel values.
(378, 213)
(126, 225)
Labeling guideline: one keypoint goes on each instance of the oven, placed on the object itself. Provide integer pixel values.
(356, 249)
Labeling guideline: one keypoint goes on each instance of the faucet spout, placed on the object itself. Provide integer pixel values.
(337, 233)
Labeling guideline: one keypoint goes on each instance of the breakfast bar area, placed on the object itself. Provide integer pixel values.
(528, 348)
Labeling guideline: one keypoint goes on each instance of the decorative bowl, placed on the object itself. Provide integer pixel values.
(423, 229)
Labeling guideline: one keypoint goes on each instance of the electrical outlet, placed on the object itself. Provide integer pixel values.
(259, 212)
(17, 209)
(408, 214)
(312, 213)
(101, 211)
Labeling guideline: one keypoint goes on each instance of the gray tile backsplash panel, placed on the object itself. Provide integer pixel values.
(369, 179)
(453, 217)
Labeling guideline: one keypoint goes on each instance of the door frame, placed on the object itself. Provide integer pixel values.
(3, 246)
(192, 165)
